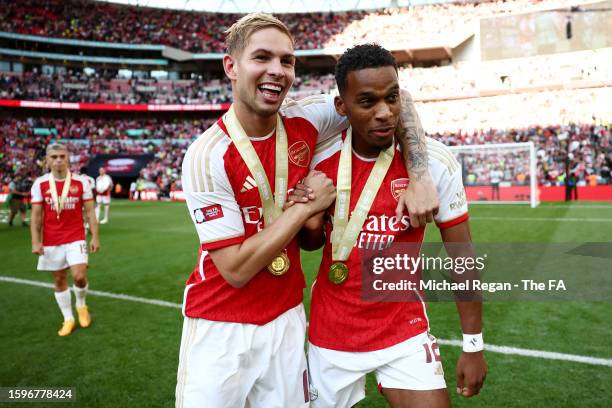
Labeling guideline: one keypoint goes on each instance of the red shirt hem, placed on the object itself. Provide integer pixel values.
(374, 347)
(259, 322)
(454, 221)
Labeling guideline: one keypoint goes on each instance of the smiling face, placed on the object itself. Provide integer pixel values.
(263, 72)
(371, 101)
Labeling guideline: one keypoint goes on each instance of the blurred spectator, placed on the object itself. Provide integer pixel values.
(19, 191)
(79, 87)
(588, 147)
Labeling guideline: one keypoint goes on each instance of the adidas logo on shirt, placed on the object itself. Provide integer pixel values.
(249, 184)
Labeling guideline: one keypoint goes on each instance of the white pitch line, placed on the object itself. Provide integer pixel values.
(97, 293)
(547, 355)
(569, 219)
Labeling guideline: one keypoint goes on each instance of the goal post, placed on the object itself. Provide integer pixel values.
(500, 173)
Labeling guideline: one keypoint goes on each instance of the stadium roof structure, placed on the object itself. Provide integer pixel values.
(274, 6)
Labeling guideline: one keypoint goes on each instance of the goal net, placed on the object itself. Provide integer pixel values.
(503, 173)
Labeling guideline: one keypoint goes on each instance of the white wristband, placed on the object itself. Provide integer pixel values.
(473, 343)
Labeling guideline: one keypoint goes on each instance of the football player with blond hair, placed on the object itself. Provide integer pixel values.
(58, 233)
(244, 327)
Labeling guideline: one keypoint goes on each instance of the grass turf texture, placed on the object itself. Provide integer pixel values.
(129, 356)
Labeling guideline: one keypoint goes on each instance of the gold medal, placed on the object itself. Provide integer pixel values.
(338, 273)
(58, 203)
(279, 265)
(347, 226)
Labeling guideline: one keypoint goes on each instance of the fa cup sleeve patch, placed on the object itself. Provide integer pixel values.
(212, 212)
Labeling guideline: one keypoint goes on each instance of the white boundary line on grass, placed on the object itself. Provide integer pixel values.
(547, 355)
(569, 219)
(96, 293)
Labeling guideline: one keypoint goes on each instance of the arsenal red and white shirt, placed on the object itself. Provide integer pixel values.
(339, 318)
(225, 207)
(69, 227)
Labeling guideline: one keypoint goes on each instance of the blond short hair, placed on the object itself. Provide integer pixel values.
(55, 146)
(239, 33)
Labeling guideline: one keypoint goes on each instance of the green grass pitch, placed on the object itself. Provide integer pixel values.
(129, 357)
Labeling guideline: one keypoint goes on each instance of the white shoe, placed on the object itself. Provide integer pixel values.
(104, 221)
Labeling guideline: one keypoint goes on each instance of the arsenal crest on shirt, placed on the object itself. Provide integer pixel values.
(299, 153)
(398, 186)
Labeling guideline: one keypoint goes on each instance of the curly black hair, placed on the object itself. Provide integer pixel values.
(361, 57)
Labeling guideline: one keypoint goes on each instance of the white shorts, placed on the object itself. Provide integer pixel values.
(103, 199)
(339, 377)
(243, 365)
(60, 257)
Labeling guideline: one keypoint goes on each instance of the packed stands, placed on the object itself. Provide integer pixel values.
(23, 142)
(586, 149)
(203, 32)
(80, 87)
(518, 110)
(467, 102)
(465, 79)
(583, 69)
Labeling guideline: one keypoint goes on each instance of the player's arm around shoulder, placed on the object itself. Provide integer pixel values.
(420, 198)
(320, 112)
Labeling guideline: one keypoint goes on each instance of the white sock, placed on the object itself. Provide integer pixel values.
(63, 300)
(80, 294)
(106, 208)
(97, 212)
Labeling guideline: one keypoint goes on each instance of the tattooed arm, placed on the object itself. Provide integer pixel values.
(421, 198)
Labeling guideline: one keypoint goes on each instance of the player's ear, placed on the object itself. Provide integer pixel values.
(339, 104)
(229, 66)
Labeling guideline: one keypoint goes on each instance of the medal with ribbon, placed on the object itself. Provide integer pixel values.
(272, 203)
(58, 203)
(346, 229)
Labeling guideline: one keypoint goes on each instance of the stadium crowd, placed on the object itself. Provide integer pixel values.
(203, 32)
(23, 142)
(517, 110)
(585, 149)
(464, 79)
(80, 87)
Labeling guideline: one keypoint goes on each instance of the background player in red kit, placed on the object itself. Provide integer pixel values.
(58, 234)
(349, 337)
(244, 322)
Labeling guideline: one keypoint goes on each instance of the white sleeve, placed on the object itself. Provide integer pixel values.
(326, 150)
(320, 111)
(87, 193)
(209, 194)
(445, 171)
(36, 193)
